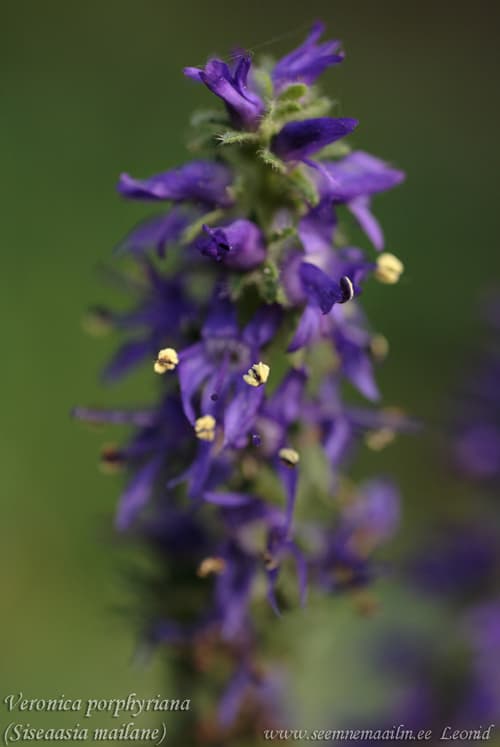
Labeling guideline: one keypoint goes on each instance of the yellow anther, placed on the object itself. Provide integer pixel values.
(379, 439)
(205, 428)
(211, 565)
(111, 460)
(97, 321)
(167, 360)
(379, 347)
(290, 457)
(365, 604)
(270, 561)
(257, 375)
(342, 574)
(389, 268)
(249, 467)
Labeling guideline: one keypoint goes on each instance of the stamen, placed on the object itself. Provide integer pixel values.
(379, 347)
(257, 375)
(366, 604)
(379, 439)
(389, 268)
(211, 565)
(290, 457)
(270, 562)
(205, 428)
(97, 321)
(167, 360)
(112, 460)
(342, 575)
(347, 289)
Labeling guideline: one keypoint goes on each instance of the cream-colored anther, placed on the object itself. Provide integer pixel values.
(111, 460)
(211, 565)
(389, 268)
(379, 347)
(270, 562)
(257, 375)
(167, 360)
(379, 439)
(97, 322)
(204, 428)
(290, 457)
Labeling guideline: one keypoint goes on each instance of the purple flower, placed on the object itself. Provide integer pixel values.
(352, 344)
(146, 455)
(350, 339)
(321, 290)
(359, 174)
(249, 684)
(234, 695)
(339, 565)
(240, 414)
(204, 182)
(456, 560)
(216, 366)
(239, 511)
(477, 450)
(307, 62)
(376, 512)
(233, 589)
(344, 426)
(316, 230)
(156, 232)
(343, 558)
(348, 262)
(324, 316)
(298, 140)
(483, 626)
(353, 180)
(244, 106)
(476, 426)
(238, 245)
(281, 411)
(159, 316)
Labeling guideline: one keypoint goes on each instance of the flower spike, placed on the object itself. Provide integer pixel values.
(247, 268)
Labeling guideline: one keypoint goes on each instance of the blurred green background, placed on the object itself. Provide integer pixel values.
(95, 88)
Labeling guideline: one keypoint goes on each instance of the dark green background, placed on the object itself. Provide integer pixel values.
(90, 89)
